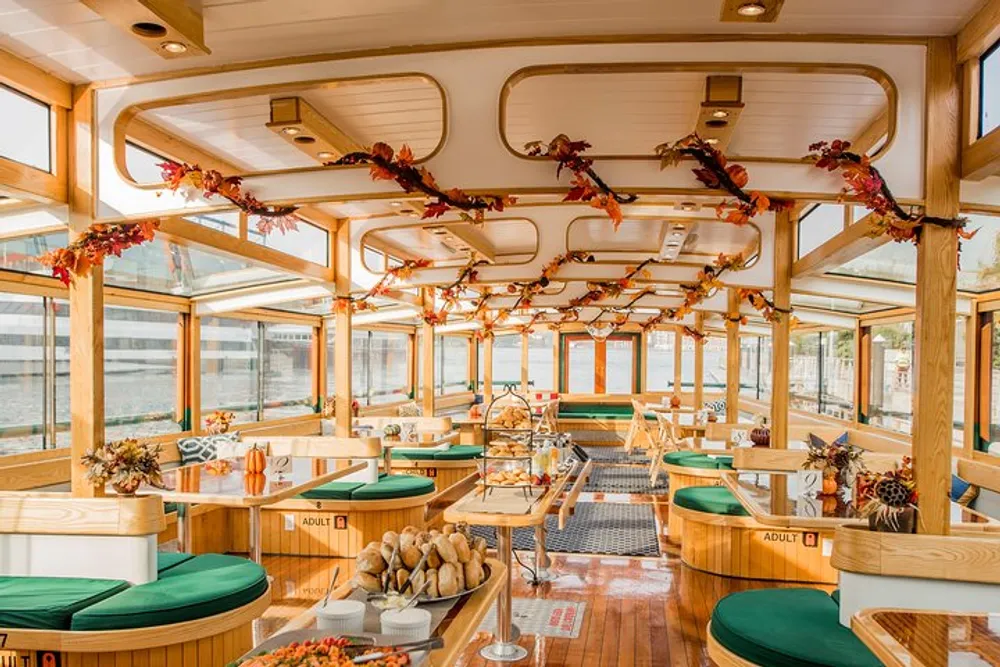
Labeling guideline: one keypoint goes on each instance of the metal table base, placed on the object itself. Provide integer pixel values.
(506, 648)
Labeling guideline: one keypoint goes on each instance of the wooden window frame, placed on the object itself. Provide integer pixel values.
(600, 359)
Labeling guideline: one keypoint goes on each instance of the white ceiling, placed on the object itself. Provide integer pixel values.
(67, 38)
(630, 114)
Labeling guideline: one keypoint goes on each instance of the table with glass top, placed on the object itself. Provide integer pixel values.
(225, 482)
(782, 499)
(904, 638)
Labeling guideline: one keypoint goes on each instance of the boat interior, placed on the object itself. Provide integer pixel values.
(462, 332)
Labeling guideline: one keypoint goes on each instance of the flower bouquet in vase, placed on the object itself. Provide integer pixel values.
(840, 464)
(889, 499)
(126, 464)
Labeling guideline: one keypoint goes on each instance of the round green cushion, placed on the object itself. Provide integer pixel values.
(332, 491)
(676, 457)
(414, 454)
(48, 603)
(203, 586)
(459, 453)
(706, 462)
(711, 499)
(166, 560)
(394, 486)
(787, 627)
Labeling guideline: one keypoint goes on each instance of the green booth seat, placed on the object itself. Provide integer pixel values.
(387, 487)
(199, 587)
(674, 458)
(710, 499)
(787, 627)
(596, 411)
(166, 560)
(49, 603)
(456, 453)
(703, 461)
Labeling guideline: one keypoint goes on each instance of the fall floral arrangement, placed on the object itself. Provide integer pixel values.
(219, 422)
(840, 461)
(126, 464)
(91, 247)
(889, 499)
(381, 288)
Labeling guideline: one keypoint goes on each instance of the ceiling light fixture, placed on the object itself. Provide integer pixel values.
(148, 29)
(174, 47)
(751, 9)
(395, 204)
(720, 113)
(304, 139)
(711, 141)
(325, 155)
(290, 131)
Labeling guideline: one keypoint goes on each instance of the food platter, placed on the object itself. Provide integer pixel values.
(423, 599)
(261, 654)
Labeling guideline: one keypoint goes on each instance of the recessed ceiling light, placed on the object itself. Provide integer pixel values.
(395, 203)
(173, 47)
(304, 139)
(148, 29)
(751, 9)
(720, 113)
(711, 141)
(290, 131)
(324, 155)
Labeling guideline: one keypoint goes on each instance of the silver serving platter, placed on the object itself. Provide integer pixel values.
(285, 638)
(423, 599)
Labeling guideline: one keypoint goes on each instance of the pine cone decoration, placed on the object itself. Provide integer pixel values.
(892, 492)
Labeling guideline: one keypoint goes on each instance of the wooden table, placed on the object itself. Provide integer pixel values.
(773, 498)
(905, 638)
(194, 484)
(457, 628)
(506, 649)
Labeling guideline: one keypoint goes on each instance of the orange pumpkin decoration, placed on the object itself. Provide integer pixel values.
(255, 460)
(254, 483)
(830, 485)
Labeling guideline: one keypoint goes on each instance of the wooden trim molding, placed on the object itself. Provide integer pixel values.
(34, 81)
(722, 656)
(61, 514)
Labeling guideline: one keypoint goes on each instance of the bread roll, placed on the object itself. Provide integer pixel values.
(410, 530)
(448, 529)
(422, 538)
(445, 550)
(417, 578)
(460, 576)
(401, 578)
(432, 588)
(391, 538)
(473, 571)
(386, 552)
(372, 545)
(433, 557)
(371, 561)
(368, 581)
(479, 544)
(410, 555)
(447, 580)
(407, 540)
(461, 545)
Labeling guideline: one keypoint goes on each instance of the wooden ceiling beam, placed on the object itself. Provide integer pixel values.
(302, 126)
(869, 137)
(845, 246)
(464, 237)
(721, 110)
(168, 28)
(980, 33)
(34, 81)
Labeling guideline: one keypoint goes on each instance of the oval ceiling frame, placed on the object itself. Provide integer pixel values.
(129, 113)
(871, 72)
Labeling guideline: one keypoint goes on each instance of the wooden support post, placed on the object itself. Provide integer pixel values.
(488, 369)
(733, 358)
(524, 362)
(555, 360)
(342, 353)
(194, 373)
(427, 356)
(784, 254)
(181, 400)
(644, 346)
(600, 366)
(934, 332)
(86, 304)
(699, 364)
(859, 375)
(678, 360)
(319, 358)
(472, 366)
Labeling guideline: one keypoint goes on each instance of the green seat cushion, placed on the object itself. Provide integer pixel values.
(202, 586)
(459, 453)
(333, 491)
(415, 454)
(787, 627)
(835, 596)
(394, 486)
(706, 462)
(595, 411)
(676, 457)
(166, 560)
(169, 507)
(711, 499)
(48, 603)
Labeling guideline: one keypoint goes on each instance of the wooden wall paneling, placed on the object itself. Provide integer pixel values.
(181, 413)
(679, 480)
(784, 254)
(934, 335)
(733, 365)
(427, 355)
(699, 364)
(342, 357)
(194, 373)
(86, 304)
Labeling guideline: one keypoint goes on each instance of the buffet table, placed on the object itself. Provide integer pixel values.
(929, 638)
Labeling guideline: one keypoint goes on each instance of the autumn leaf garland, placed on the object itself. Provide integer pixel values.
(381, 288)
(94, 245)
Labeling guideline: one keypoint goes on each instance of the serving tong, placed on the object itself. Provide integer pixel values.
(397, 649)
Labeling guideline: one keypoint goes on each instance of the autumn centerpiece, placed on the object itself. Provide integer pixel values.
(839, 461)
(219, 422)
(889, 499)
(760, 435)
(126, 464)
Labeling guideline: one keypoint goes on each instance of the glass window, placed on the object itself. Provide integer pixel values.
(959, 399)
(142, 164)
(61, 308)
(140, 372)
(287, 370)
(31, 143)
(308, 242)
(331, 372)
(989, 90)
(387, 367)
(374, 260)
(452, 359)
(19, 253)
(506, 361)
(750, 366)
(22, 373)
(766, 368)
(714, 368)
(891, 399)
(837, 397)
(227, 222)
(229, 363)
(687, 363)
(660, 360)
(359, 365)
(994, 434)
(803, 372)
(620, 364)
(540, 361)
(580, 362)
(818, 225)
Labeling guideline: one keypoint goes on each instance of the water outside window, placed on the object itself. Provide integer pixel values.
(891, 399)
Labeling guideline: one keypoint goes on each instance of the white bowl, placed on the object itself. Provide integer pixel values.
(411, 624)
(342, 616)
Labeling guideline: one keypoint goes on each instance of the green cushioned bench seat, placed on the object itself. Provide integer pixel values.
(710, 499)
(595, 411)
(787, 627)
(48, 603)
(395, 486)
(456, 453)
(674, 458)
(705, 462)
(202, 586)
(166, 560)
(333, 491)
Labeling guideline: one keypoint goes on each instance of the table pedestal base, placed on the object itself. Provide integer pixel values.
(509, 651)
(542, 574)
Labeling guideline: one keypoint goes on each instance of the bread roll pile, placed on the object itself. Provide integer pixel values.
(454, 562)
(512, 417)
